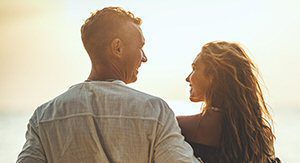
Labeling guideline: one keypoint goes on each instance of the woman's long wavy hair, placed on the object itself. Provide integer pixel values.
(246, 131)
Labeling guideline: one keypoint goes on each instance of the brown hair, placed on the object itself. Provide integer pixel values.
(246, 132)
(103, 26)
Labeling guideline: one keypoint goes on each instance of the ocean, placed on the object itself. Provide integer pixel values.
(13, 126)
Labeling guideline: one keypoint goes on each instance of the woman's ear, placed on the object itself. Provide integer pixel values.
(116, 47)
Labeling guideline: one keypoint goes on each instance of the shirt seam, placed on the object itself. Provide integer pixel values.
(102, 116)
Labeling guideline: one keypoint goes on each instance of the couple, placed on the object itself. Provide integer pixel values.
(103, 120)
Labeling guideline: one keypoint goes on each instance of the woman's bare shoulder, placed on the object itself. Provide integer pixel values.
(187, 123)
(184, 119)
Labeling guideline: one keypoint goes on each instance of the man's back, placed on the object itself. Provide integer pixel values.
(102, 121)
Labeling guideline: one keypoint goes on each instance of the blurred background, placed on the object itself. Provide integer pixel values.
(41, 56)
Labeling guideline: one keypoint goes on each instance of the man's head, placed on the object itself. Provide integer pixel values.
(114, 41)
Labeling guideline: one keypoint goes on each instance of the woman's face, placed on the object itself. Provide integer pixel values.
(199, 81)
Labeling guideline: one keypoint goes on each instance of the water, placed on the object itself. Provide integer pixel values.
(287, 130)
(12, 134)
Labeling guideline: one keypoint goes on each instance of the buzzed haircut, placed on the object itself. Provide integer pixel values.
(103, 26)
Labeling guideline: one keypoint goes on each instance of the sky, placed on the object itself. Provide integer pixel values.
(41, 53)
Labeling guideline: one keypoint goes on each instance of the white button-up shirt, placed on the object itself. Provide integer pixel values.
(105, 122)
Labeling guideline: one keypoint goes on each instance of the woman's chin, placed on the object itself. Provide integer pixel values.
(195, 99)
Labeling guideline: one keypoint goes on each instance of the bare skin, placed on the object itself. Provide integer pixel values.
(125, 57)
(205, 127)
(202, 128)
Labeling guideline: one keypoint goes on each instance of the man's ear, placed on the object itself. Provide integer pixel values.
(116, 47)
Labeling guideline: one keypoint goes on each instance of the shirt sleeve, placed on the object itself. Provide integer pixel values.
(170, 145)
(32, 151)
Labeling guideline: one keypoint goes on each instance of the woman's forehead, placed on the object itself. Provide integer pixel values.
(197, 59)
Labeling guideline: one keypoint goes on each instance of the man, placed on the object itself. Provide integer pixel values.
(101, 119)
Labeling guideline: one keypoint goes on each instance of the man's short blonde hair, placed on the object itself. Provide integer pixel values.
(103, 25)
(112, 12)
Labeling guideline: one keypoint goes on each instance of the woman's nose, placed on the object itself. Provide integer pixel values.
(144, 58)
(188, 78)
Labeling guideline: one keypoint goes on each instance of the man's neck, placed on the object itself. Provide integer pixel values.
(102, 74)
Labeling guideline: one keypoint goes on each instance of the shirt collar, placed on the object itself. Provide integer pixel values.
(108, 80)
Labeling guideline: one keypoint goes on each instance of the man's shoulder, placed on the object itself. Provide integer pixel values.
(146, 97)
(148, 104)
(141, 94)
(46, 109)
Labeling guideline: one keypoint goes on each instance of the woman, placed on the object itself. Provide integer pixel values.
(233, 126)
